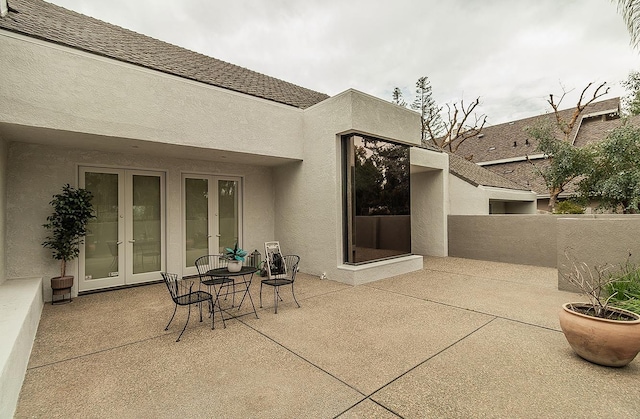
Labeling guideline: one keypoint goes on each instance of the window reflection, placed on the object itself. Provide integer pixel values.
(377, 199)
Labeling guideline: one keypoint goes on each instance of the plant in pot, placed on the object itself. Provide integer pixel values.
(67, 226)
(235, 257)
(597, 330)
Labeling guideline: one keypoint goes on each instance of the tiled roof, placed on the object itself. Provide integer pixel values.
(38, 19)
(478, 175)
(510, 140)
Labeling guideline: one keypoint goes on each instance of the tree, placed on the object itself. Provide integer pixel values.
(563, 161)
(430, 120)
(397, 97)
(614, 178)
(461, 122)
(631, 102)
(630, 10)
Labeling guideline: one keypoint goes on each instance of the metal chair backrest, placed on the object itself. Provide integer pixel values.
(291, 267)
(208, 262)
(174, 285)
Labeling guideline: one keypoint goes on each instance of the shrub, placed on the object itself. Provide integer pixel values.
(568, 207)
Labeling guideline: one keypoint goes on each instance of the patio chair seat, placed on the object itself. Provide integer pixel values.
(287, 269)
(183, 295)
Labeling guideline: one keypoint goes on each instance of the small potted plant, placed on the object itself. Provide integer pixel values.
(235, 257)
(67, 226)
(596, 330)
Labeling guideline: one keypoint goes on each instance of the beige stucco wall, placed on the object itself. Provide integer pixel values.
(542, 240)
(298, 202)
(309, 205)
(75, 91)
(521, 239)
(3, 208)
(597, 240)
(36, 172)
(467, 199)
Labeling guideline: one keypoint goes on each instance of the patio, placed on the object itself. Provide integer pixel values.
(461, 338)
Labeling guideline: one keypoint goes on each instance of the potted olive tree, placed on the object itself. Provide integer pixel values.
(597, 330)
(67, 226)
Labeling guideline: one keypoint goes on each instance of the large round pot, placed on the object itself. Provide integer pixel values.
(234, 266)
(613, 343)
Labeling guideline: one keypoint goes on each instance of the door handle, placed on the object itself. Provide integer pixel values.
(118, 243)
(132, 241)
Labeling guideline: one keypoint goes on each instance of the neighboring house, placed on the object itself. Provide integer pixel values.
(504, 148)
(186, 154)
(475, 190)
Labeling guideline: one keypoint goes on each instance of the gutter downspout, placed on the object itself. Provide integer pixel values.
(4, 8)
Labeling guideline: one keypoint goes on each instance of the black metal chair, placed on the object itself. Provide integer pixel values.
(206, 263)
(182, 294)
(287, 264)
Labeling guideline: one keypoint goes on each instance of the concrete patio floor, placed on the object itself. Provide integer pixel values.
(461, 338)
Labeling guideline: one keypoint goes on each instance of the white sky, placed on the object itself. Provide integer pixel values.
(511, 53)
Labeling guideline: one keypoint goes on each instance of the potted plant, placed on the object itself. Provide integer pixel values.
(67, 226)
(235, 257)
(596, 330)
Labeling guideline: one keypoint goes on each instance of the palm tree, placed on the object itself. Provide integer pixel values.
(630, 11)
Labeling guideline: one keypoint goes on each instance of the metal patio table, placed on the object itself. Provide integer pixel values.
(244, 273)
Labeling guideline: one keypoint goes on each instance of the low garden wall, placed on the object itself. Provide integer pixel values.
(542, 240)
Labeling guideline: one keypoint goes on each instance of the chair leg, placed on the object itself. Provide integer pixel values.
(261, 294)
(294, 296)
(211, 310)
(185, 324)
(275, 298)
(219, 306)
(172, 316)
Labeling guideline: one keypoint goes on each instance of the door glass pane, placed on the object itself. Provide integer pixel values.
(228, 211)
(196, 219)
(146, 224)
(101, 249)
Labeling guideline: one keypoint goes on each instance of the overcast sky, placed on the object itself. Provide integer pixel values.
(510, 53)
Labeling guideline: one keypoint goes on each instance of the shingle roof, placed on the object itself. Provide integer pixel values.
(478, 175)
(510, 140)
(38, 19)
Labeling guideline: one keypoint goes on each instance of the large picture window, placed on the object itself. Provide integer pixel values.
(377, 219)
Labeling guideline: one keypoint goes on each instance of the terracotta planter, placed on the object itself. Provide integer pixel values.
(234, 266)
(613, 343)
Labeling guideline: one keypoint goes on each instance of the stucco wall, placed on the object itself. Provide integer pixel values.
(466, 199)
(521, 239)
(543, 240)
(36, 172)
(3, 207)
(75, 91)
(309, 205)
(597, 240)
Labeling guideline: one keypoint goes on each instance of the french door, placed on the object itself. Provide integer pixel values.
(126, 241)
(212, 210)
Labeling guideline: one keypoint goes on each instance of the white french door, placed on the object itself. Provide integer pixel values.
(212, 211)
(126, 242)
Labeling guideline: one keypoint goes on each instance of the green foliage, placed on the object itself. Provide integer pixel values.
(631, 102)
(565, 162)
(67, 225)
(625, 288)
(614, 178)
(234, 254)
(568, 207)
